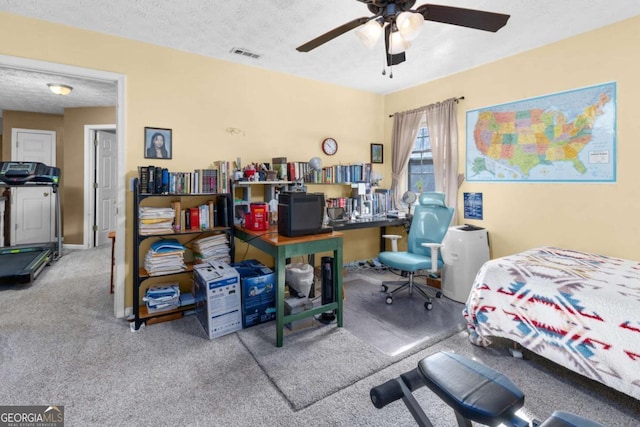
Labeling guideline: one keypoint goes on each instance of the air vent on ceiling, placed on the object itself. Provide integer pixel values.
(244, 52)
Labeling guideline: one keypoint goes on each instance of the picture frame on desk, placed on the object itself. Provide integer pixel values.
(158, 143)
(377, 153)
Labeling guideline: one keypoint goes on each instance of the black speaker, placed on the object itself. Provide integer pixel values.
(328, 288)
(225, 211)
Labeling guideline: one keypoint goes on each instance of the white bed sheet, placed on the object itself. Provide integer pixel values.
(577, 309)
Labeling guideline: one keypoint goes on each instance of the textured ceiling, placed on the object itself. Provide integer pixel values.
(27, 90)
(274, 28)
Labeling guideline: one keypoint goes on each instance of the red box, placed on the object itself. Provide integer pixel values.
(258, 217)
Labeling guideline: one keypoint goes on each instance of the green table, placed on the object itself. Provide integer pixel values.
(281, 248)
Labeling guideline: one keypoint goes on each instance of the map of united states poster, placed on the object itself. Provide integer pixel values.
(563, 137)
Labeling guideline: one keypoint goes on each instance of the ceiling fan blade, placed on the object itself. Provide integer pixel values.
(328, 36)
(470, 18)
(396, 59)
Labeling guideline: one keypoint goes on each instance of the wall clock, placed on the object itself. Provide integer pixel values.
(329, 146)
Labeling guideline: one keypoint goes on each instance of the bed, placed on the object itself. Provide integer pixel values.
(579, 310)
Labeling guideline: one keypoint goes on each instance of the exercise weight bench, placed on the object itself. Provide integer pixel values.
(474, 391)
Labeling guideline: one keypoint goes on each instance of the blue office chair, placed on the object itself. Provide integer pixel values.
(429, 224)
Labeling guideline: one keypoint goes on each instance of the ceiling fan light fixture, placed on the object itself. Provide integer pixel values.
(369, 33)
(60, 89)
(397, 44)
(409, 24)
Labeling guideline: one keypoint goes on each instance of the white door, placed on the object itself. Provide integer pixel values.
(106, 185)
(33, 207)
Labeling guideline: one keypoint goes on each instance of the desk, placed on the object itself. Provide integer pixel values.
(383, 223)
(281, 248)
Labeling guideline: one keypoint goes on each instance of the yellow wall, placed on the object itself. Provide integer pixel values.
(199, 98)
(600, 218)
(281, 115)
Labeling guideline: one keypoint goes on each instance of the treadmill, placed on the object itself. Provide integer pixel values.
(23, 263)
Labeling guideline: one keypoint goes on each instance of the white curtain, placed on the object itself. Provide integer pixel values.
(405, 130)
(443, 134)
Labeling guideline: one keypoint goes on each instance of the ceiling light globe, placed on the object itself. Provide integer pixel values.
(369, 33)
(409, 24)
(60, 89)
(397, 44)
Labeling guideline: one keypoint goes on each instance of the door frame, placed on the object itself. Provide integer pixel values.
(120, 80)
(89, 194)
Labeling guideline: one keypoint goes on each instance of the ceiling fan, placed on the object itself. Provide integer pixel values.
(402, 24)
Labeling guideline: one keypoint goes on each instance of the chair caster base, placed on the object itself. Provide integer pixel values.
(439, 294)
(428, 305)
(384, 288)
(389, 300)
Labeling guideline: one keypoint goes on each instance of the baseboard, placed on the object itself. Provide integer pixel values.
(72, 246)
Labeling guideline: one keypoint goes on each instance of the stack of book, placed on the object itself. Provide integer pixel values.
(156, 220)
(212, 248)
(165, 257)
(158, 180)
(162, 298)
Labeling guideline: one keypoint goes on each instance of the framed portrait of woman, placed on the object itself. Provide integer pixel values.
(157, 143)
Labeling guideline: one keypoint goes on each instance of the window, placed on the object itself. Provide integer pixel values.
(421, 175)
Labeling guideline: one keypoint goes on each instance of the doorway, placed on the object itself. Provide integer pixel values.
(119, 209)
(101, 154)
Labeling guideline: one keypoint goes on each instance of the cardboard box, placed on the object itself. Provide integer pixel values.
(295, 306)
(216, 288)
(258, 292)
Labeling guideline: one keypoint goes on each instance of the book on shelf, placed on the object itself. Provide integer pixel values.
(212, 213)
(292, 171)
(223, 168)
(158, 180)
(194, 217)
(187, 219)
(165, 181)
(195, 181)
(151, 183)
(143, 175)
(203, 215)
(209, 180)
(177, 222)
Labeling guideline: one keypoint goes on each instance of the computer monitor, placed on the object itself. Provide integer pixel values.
(300, 213)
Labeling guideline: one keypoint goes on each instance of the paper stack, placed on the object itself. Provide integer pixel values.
(211, 248)
(165, 257)
(162, 298)
(156, 220)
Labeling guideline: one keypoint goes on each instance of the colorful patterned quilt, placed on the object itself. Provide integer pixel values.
(577, 309)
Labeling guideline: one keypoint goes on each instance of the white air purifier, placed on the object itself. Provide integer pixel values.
(465, 249)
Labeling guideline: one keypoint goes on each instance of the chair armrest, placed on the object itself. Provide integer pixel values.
(394, 240)
(434, 254)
